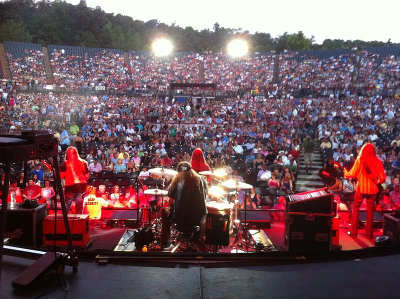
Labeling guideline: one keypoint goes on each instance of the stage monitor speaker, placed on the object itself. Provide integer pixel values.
(24, 226)
(124, 218)
(391, 228)
(378, 219)
(48, 263)
(256, 217)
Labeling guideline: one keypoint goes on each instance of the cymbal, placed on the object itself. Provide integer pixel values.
(156, 192)
(217, 173)
(216, 191)
(163, 171)
(232, 184)
(207, 172)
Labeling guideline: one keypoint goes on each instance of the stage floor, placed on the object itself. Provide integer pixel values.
(106, 239)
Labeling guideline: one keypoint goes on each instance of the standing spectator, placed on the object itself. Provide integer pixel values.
(74, 130)
(64, 139)
(308, 149)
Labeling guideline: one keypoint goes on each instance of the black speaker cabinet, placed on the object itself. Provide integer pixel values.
(391, 228)
(124, 218)
(308, 231)
(24, 226)
(256, 217)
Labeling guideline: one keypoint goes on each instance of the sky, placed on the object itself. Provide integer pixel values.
(340, 19)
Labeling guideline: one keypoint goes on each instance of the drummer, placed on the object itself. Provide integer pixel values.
(187, 194)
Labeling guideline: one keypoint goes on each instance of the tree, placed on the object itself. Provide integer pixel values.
(14, 31)
(298, 41)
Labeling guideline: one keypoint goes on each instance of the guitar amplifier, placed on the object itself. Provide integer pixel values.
(55, 230)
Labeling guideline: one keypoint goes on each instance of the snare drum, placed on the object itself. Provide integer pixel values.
(218, 223)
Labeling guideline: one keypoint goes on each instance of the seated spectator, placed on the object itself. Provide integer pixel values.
(126, 159)
(48, 194)
(108, 165)
(395, 195)
(250, 158)
(131, 197)
(120, 166)
(249, 204)
(287, 183)
(117, 198)
(95, 166)
(144, 173)
(20, 181)
(264, 174)
(386, 204)
(292, 167)
(396, 165)
(32, 191)
(14, 192)
(166, 161)
(136, 159)
(131, 167)
(274, 181)
(255, 197)
(102, 192)
(36, 179)
(259, 161)
(156, 161)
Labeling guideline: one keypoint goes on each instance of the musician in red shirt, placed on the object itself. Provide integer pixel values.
(76, 173)
(199, 163)
(369, 171)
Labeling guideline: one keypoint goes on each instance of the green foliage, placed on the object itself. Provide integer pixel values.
(14, 31)
(298, 41)
(58, 22)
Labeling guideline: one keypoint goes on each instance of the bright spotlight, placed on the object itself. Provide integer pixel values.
(162, 47)
(237, 48)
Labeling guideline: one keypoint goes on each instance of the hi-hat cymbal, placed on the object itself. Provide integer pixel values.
(163, 171)
(232, 184)
(156, 192)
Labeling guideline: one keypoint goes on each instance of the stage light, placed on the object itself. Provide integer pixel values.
(237, 48)
(162, 47)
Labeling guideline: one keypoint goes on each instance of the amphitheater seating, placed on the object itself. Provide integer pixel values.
(18, 50)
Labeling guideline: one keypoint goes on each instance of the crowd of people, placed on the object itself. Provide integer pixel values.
(108, 70)
(29, 68)
(258, 138)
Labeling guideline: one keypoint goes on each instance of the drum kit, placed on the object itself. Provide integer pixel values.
(222, 206)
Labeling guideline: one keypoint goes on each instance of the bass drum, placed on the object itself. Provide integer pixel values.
(218, 223)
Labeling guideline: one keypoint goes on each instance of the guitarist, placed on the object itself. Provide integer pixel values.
(369, 171)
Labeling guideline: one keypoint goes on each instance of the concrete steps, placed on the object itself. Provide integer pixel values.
(47, 65)
(126, 59)
(5, 68)
(310, 181)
